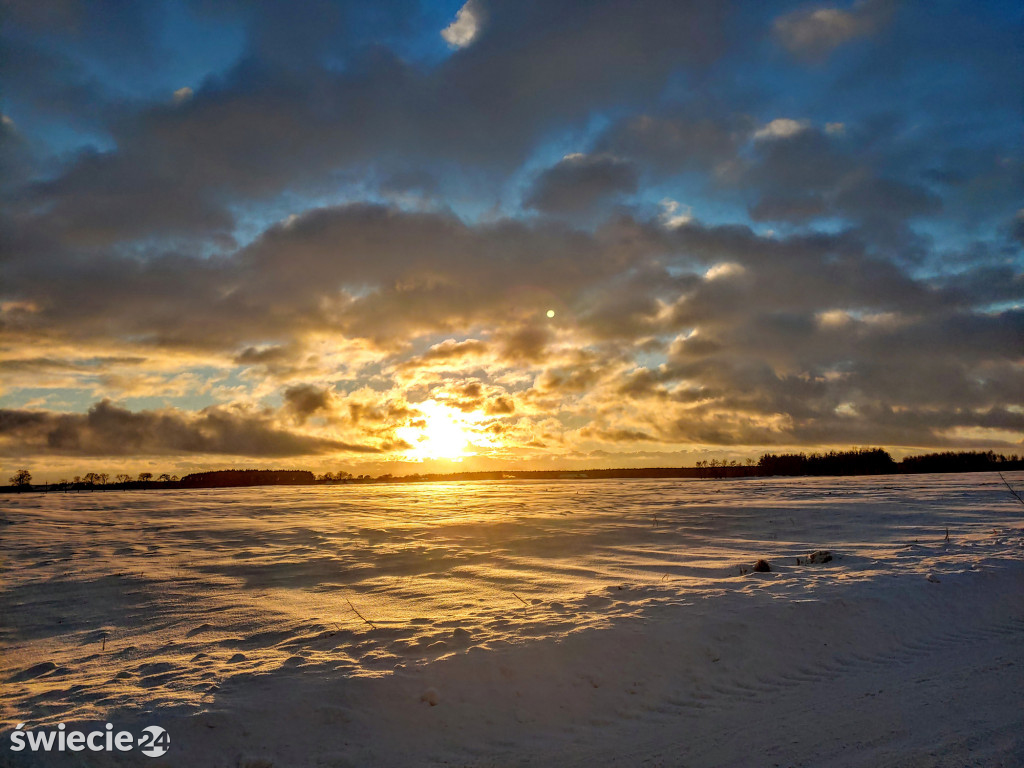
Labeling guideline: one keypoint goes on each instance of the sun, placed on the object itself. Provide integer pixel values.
(444, 434)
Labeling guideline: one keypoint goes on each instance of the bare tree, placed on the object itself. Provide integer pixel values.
(22, 479)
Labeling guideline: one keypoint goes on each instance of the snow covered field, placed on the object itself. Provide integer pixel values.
(570, 623)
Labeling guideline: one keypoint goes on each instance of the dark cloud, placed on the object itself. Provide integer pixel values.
(42, 365)
(305, 400)
(253, 356)
(410, 182)
(55, 54)
(524, 344)
(616, 435)
(873, 198)
(16, 164)
(792, 208)
(668, 144)
(800, 172)
(269, 125)
(109, 430)
(566, 380)
(578, 182)
(502, 405)
(1017, 227)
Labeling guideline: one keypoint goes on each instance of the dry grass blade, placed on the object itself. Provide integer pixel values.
(357, 613)
(1016, 495)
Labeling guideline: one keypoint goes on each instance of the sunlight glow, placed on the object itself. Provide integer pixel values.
(444, 433)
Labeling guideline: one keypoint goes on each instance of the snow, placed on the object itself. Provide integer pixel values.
(589, 623)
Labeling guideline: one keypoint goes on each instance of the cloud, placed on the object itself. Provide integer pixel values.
(363, 270)
(279, 119)
(1017, 226)
(798, 173)
(754, 316)
(615, 435)
(815, 32)
(864, 197)
(793, 208)
(724, 270)
(110, 430)
(448, 352)
(578, 182)
(305, 400)
(780, 128)
(51, 57)
(524, 344)
(15, 160)
(674, 214)
(502, 405)
(465, 26)
(698, 140)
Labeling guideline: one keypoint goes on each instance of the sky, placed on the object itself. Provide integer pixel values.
(414, 237)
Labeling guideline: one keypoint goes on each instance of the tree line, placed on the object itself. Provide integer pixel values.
(856, 461)
(91, 480)
(876, 461)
